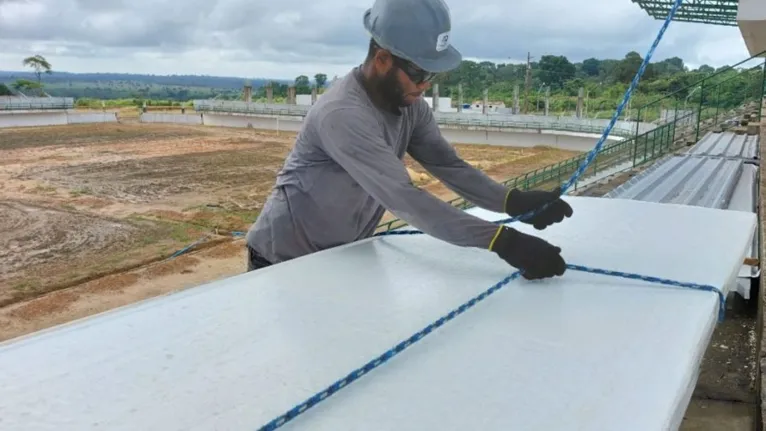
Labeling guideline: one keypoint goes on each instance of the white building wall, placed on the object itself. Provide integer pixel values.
(303, 99)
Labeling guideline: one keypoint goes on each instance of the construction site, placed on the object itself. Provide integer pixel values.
(124, 291)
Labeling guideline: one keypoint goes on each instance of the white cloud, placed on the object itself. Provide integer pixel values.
(282, 39)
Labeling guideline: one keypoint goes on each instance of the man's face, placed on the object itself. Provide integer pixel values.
(400, 82)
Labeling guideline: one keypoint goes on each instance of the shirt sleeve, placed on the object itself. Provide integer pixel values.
(355, 141)
(429, 148)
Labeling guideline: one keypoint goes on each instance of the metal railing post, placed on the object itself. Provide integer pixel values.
(699, 112)
(717, 103)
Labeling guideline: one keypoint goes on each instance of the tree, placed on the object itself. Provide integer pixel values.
(605, 82)
(591, 67)
(555, 70)
(302, 85)
(25, 84)
(670, 66)
(320, 79)
(5, 91)
(628, 67)
(40, 65)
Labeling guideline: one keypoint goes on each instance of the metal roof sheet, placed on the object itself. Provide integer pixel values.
(712, 182)
(717, 174)
(726, 144)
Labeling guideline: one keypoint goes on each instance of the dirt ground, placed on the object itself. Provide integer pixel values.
(91, 215)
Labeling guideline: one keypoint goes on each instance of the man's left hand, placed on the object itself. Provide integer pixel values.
(519, 202)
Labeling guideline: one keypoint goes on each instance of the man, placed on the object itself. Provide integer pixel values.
(345, 169)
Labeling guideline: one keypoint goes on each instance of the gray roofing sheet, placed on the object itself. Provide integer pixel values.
(713, 182)
(699, 180)
(726, 144)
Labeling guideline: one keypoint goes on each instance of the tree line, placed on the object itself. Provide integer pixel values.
(604, 81)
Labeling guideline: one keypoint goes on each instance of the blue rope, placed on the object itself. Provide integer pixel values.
(235, 234)
(188, 247)
(383, 358)
(386, 356)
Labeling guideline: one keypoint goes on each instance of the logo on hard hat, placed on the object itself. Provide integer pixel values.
(442, 41)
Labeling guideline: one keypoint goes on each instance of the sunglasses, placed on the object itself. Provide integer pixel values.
(416, 74)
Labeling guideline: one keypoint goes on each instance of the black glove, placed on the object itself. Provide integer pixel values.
(518, 203)
(533, 256)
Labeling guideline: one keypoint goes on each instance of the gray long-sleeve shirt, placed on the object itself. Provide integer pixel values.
(346, 169)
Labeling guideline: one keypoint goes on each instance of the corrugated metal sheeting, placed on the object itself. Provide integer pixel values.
(727, 144)
(720, 171)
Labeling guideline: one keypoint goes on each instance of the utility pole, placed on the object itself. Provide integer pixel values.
(527, 82)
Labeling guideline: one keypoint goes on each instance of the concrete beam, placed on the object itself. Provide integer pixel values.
(751, 19)
(249, 93)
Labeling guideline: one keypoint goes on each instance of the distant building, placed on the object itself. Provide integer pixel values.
(491, 106)
(445, 103)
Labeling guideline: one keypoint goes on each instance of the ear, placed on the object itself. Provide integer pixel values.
(383, 61)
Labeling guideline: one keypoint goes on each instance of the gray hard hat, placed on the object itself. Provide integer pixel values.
(415, 30)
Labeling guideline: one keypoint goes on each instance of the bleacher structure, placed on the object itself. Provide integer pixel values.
(16, 103)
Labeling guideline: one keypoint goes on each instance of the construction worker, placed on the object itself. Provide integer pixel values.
(346, 166)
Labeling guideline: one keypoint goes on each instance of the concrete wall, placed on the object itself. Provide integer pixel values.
(474, 135)
(53, 118)
(159, 117)
(303, 99)
(91, 117)
(559, 122)
(33, 118)
(289, 124)
(525, 138)
(624, 128)
(445, 104)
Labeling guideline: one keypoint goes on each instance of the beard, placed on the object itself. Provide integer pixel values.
(390, 90)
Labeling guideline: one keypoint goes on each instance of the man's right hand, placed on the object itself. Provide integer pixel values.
(533, 256)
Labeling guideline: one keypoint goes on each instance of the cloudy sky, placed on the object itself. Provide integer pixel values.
(285, 38)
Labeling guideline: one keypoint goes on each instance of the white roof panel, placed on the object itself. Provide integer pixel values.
(699, 180)
(582, 351)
